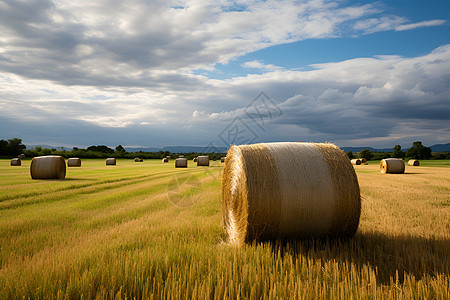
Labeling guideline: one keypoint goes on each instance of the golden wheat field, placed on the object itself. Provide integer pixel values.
(148, 230)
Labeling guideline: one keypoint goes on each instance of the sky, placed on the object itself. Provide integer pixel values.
(219, 72)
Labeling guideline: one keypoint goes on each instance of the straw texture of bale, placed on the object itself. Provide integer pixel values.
(136, 159)
(16, 162)
(74, 162)
(21, 156)
(111, 161)
(356, 161)
(363, 160)
(164, 160)
(413, 162)
(392, 165)
(283, 190)
(195, 159)
(181, 163)
(222, 159)
(48, 167)
(203, 161)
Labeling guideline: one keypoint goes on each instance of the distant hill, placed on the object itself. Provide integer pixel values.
(440, 147)
(200, 149)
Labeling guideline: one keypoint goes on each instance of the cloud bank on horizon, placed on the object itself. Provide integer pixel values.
(155, 73)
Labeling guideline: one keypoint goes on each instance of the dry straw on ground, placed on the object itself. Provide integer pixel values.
(111, 161)
(165, 159)
(74, 162)
(181, 163)
(356, 161)
(203, 161)
(392, 165)
(282, 190)
(413, 162)
(48, 167)
(16, 162)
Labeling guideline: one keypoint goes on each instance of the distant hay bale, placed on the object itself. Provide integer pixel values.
(413, 162)
(48, 167)
(141, 160)
(363, 160)
(74, 162)
(181, 156)
(16, 162)
(195, 159)
(181, 163)
(168, 157)
(356, 161)
(392, 165)
(203, 160)
(222, 159)
(164, 160)
(136, 159)
(111, 161)
(283, 190)
(21, 156)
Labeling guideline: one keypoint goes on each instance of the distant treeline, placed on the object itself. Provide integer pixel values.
(417, 151)
(14, 147)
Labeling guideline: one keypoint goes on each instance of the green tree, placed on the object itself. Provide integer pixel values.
(100, 148)
(398, 152)
(366, 154)
(418, 151)
(120, 148)
(350, 154)
(3, 147)
(15, 146)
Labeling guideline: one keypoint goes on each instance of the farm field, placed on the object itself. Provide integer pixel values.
(148, 230)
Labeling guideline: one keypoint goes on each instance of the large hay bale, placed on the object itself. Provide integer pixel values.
(195, 159)
(111, 161)
(363, 160)
(74, 162)
(136, 159)
(16, 162)
(356, 161)
(21, 156)
(203, 160)
(392, 165)
(283, 190)
(48, 167)
(413, 162)
(181, 163)
(164, 160)
(222, 159)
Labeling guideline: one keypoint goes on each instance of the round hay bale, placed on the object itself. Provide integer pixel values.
(164, 160)
(168, 157)
(413, 162)
(111, 161)
(136, 159)
(195, 159)
(363, 160)
(48, 167)
(203, 161)
(181, 156)
(21, 156)
(356, 161)
(283, 190)
(392, 165)
(181, 163)
(222, 159)
(16, 162)
(141, 160)
(74, 162)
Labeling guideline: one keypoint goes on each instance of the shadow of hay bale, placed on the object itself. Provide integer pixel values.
(389, 256)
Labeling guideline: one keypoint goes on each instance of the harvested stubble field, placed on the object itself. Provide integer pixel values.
(150, 230)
